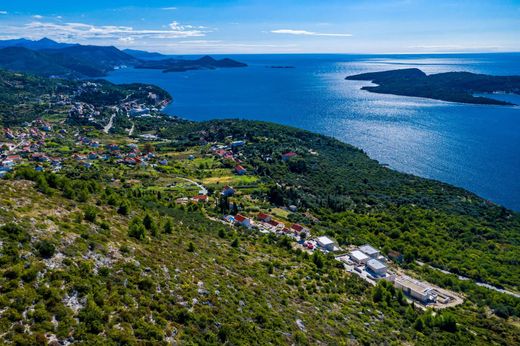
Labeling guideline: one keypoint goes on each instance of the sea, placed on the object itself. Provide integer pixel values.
(476, 147)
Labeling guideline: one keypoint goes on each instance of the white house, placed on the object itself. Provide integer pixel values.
(369, 251)
(376, 267)
(358, 257)
(326, 243)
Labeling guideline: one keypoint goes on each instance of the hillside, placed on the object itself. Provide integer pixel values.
(449, 86)
(112, 237)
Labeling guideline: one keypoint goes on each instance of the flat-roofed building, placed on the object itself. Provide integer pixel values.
(358, 257)
(326, 243)
(369, 251)
(415, 289)
(376, 267)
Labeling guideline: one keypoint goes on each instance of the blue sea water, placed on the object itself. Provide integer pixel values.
(476, 147)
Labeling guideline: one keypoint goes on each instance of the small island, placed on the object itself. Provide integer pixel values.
(182, 65)
(280, 66)
(449, 86)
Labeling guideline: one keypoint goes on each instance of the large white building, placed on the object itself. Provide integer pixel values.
(415, 289)
(358, 257)
(369, 251)
(376, 267)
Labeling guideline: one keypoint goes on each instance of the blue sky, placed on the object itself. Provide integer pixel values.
(282, 26)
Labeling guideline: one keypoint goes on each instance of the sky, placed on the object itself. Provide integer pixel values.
(265, 26)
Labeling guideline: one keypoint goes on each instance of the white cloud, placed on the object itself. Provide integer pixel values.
(126, 39)
(37, 16)
(169, 8)
(3, 12)
(81, 32)
(307, 33)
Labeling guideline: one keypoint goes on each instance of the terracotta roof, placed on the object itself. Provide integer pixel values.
(297, 227)
(262, 216)
(240, 218)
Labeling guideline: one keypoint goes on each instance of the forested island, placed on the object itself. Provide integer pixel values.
(449, 86)
(158, 230)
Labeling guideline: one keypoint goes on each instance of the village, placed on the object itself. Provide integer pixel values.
(30, 146)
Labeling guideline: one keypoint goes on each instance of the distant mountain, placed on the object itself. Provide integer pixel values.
(43, 43)
(46, 57)
(449, 86)
(181, 65)
(21, 59)
(144, 55)
(101, 58)
(69, 62)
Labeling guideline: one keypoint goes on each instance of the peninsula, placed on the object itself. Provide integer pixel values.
(449, 86)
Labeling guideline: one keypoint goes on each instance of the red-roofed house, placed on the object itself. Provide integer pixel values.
(264, 217)
(242, 220)
(240, 170)
(299, 228)
(288, 155)
(200, 198)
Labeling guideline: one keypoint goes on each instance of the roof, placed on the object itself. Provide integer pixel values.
(325, 240)
(414, 285)
(274, 223)
(262, 216)
(358, 255)
(289, 154)
(240, 218)
(375, 264)
(297, 227)
(369, 250)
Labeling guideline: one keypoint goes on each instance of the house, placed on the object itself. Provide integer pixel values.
(264, 217)
(376, 267)
(242, 220)
(326, 243)
(240, 170)
(276, 224)
(236, 144)
(358, 257)
(40, 157)
(227, 191)
(395, 256)
(200, 198)
(299, 228)
(288, 155)
(415, 289)
(369, 251)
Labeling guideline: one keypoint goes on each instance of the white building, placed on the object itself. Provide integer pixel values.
(376, 267)
(326, 243)
(358, 257)
(415, 289)
(369, 251)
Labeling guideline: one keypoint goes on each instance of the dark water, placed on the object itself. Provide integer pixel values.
(473, 146)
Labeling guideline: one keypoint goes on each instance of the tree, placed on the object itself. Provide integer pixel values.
(168, 226)
(45, 248)
(90, 213)
(124, 208)
(235, 242)
(136, 229)
(191, 247)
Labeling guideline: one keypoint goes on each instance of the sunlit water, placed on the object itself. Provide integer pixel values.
(473, 146)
